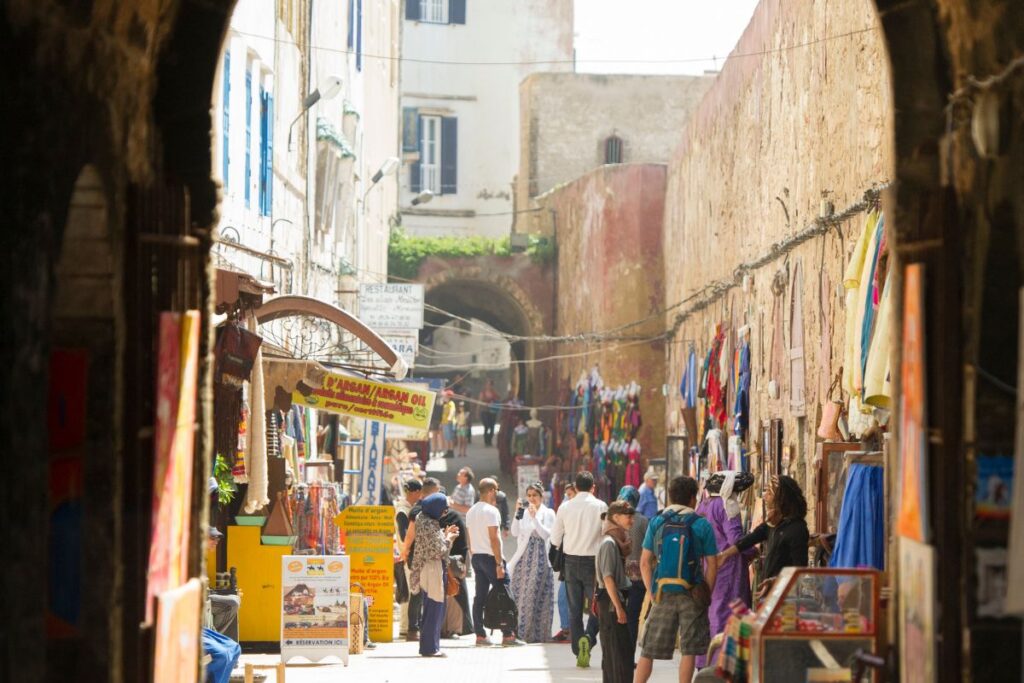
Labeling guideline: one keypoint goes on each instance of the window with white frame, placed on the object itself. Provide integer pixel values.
(430, 154)
(434, 11)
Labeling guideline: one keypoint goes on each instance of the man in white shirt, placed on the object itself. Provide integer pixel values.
(578, 530)
(483, 522)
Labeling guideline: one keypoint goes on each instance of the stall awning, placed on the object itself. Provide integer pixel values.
(293, 305)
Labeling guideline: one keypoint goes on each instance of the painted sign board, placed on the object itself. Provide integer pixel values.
(391, 306)
(369, 542)
(315, 607)
(406, 343)
(391, 403)
(912, 511)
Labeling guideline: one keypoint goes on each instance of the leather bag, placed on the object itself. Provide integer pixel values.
(831, 411)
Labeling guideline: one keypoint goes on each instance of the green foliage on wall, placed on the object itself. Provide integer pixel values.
(406, 253)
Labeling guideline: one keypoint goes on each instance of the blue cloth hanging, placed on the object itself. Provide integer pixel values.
(688, 387)
(224, 654)
(860, 541)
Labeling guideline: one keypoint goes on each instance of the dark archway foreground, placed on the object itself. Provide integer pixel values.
(962, 215)
(125, 88)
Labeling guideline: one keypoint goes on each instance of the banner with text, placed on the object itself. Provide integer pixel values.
(391, 403)
(315, 607)
(374, 448)
(406, 343)
(369, 542)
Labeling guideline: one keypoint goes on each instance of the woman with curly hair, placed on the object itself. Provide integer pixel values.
(784, 533)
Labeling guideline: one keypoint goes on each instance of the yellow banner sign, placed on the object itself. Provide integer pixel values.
(391, 403)
(369, 542)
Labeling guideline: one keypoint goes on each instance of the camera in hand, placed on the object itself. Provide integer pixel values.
(522, 509)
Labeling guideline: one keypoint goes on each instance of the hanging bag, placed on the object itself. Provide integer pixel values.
(831, 411)
(500, 611)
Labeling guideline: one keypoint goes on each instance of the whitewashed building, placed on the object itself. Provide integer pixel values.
(462, 65)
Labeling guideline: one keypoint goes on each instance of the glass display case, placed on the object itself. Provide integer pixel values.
(813, 622)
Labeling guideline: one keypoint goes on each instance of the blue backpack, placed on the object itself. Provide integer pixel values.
(676, 549)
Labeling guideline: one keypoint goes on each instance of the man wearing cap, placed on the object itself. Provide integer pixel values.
(403, 518)
(648, 505)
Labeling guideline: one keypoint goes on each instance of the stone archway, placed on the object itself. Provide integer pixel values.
(494, 291)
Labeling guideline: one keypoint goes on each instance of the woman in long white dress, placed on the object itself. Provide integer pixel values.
(533, 582)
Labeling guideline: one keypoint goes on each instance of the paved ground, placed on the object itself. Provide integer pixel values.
(400, 662)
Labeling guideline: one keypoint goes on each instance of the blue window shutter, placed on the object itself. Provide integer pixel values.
(270, 155)
(264, 152)
(449, 154)
(359, 35)
(412, 10)
(248, 137)
(226, 119)
(351, 41)
(456, 11)
(410, 129)
(415, 180)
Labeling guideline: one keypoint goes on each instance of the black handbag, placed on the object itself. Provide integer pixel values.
(557, 558)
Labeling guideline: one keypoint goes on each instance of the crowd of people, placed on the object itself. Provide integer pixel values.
(627, 574)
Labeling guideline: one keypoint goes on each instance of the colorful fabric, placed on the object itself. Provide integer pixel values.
(861, 538)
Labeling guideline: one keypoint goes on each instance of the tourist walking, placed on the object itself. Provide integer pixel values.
(784, 533)
(563, 601)
(637, 592)
(464, 495)
(677, 541)
(409, 625)
(462, 428)
(489, 407)
(722, 511)
(612, 587)
(448, 425)
(648, 505)
(577, 530)
(429, 574)
(483, 522)
(533, 582)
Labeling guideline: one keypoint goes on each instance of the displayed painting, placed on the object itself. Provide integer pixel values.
(917, 611)
(993, 492)
(992, 577)
(176, 655)
(912, 511)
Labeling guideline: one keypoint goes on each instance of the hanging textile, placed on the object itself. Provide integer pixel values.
(688, 386)
(865, 312)
(256, 496)
(741, 410)
(877, 387)
(851, 282)
(716, 396)
(860, 541)
(238, 472)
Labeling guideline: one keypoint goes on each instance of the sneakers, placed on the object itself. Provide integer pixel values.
(561, 637)
(511, 641)
(583, 658)
(481, 641)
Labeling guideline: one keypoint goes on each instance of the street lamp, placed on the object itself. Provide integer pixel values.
(422, 198)
(389, 166)
(325, 91)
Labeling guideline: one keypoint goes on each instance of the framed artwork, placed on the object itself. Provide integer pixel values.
(992, 581)
(831, 483)
(916, 611)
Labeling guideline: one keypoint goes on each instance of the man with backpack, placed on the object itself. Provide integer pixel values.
(677, 543)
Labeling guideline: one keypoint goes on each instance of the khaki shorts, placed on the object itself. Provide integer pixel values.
(676, 614)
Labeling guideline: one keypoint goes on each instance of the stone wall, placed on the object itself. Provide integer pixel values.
(777, 135)
(607, 225)
(565, 119)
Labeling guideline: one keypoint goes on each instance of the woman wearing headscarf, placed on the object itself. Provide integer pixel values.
(722, 510)
(533, 582)
(784, 533)
(612, 586)
(429, 570)
(637, 591)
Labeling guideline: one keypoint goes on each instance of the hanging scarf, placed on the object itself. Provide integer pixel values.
(620, 535)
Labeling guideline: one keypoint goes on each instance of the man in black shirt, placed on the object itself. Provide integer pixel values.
(403, 518)
(460, 548)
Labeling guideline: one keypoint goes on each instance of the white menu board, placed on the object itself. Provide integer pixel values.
(391, 306)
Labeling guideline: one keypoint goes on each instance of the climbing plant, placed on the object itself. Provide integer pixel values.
(406, 253)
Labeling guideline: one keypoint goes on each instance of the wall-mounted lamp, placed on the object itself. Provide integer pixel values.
(422, 198)
(389, 166)
(325, 91)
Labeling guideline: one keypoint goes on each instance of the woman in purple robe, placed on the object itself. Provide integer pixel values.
(733, 580)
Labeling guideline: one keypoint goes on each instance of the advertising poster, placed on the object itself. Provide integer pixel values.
(391, 403)
(912, 511)
(917, 611)
(314, 607)
(177, 376)
(178, 615)
(369, 543)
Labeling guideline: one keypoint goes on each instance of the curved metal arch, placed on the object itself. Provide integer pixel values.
(284, 306)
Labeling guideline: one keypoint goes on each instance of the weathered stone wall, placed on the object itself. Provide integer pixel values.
(566, 117)
(607, 225)
(778, 133)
